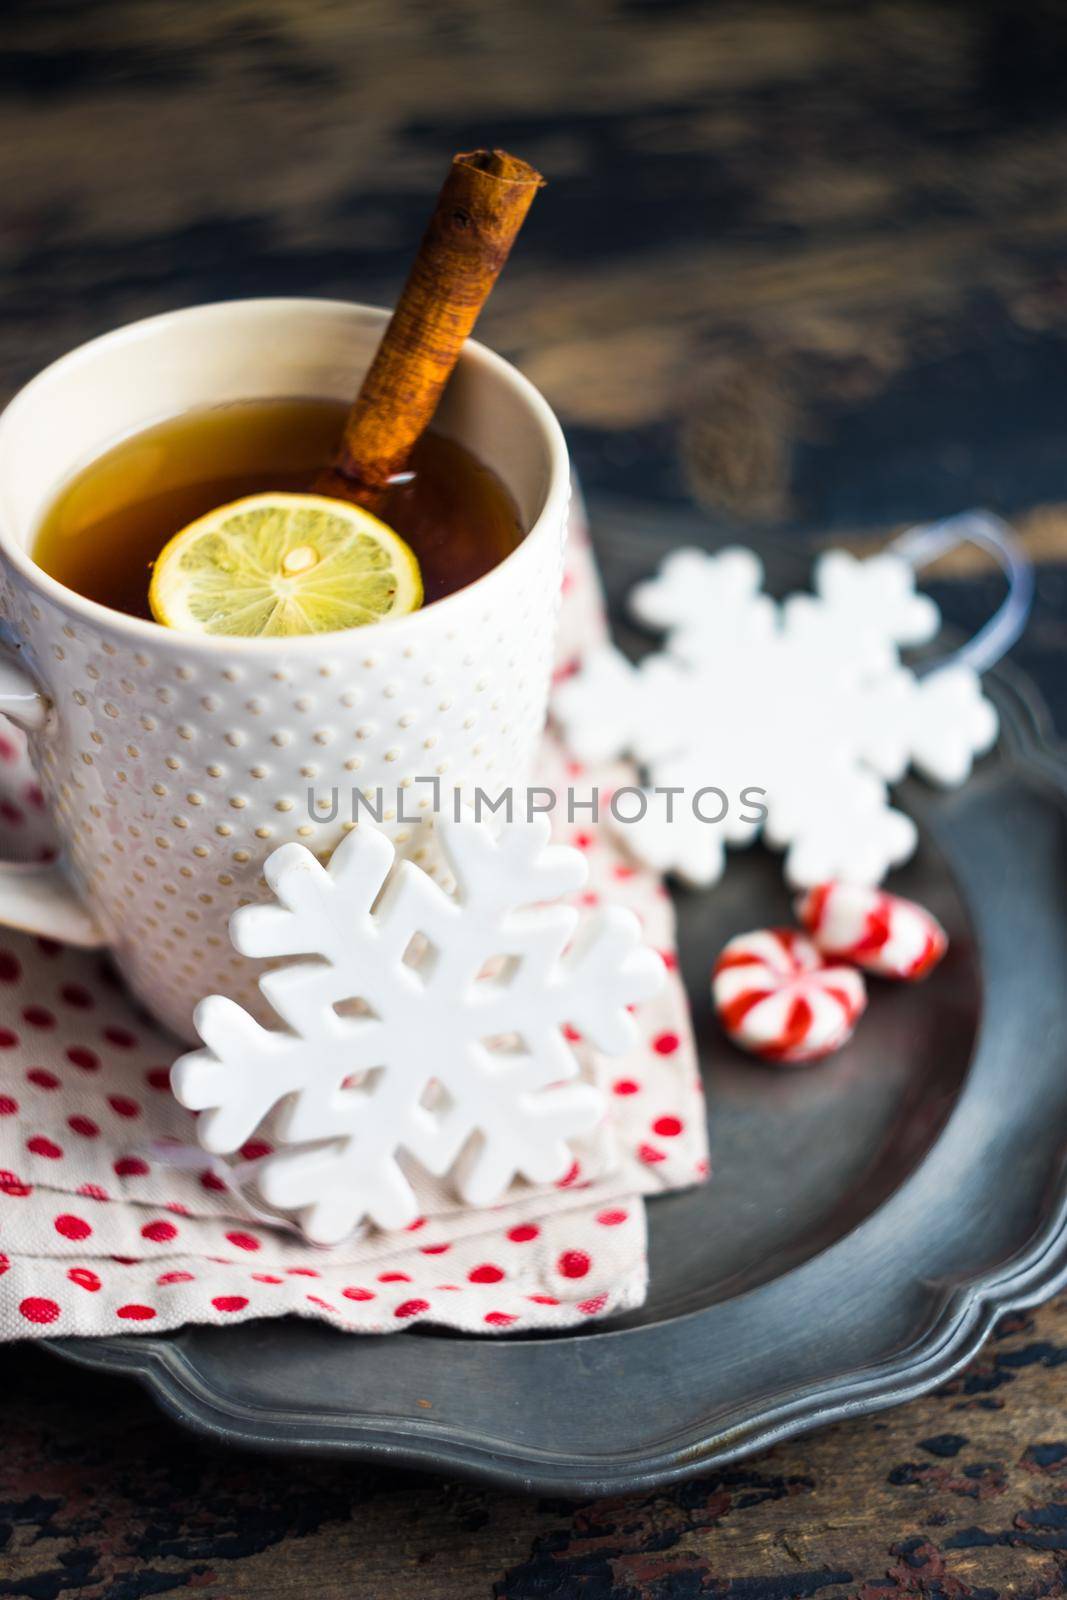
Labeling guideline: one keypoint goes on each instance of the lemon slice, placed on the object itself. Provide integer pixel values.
(274, 565)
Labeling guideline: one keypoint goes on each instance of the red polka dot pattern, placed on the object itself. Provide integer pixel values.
(255, 1150)
(72, 1227)
(665, 1044)
(411, 1308)
(160, 1232)
(87, 1060)
(40, 1146)
(243, 1241)
(486, 1273)
(40, 1311)
(131, 1167)
(573, 1264)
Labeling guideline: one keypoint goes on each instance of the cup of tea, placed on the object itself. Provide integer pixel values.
(173, 763)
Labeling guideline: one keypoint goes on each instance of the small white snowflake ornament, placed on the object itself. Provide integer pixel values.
(431, 1029)
(795, 717)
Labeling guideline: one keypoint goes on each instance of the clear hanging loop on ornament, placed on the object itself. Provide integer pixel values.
(923, 545)
(235, 1177)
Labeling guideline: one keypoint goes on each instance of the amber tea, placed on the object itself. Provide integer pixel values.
(106, 527)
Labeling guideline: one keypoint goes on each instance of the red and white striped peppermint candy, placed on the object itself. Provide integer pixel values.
(879, 932)
(777, 998)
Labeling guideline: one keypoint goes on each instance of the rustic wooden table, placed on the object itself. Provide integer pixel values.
(804, 263)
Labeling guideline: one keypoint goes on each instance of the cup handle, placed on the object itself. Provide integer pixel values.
(20, 698)
(36, 897)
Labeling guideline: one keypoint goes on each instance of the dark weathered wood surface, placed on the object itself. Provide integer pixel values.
(958, 1495)
(804, 261)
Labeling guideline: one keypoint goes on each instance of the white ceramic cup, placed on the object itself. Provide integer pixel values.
(173, 765)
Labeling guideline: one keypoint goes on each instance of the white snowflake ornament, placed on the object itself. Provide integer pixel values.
(791, 719)
(429, 1030)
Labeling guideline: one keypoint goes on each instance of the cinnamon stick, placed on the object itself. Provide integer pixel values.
(479, 212)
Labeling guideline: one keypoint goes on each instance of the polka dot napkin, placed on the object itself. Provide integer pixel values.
(106, 1227)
